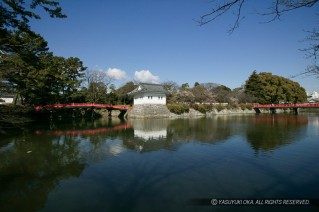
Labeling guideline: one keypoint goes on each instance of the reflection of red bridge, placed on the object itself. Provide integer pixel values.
(295, 107)
(84, 132)
(83, 105)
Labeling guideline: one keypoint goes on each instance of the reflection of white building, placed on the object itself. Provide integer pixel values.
(150, 135)
(150, 129)
(314, 97)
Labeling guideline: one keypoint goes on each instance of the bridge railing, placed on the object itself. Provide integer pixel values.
(82, 105)
(289, 105)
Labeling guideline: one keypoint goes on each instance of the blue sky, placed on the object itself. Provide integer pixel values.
(160, 41)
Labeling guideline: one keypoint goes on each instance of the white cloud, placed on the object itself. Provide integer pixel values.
(116, 74)
(146, 76)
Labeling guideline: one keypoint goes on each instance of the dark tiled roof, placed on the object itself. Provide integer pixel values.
(148, 87)
(7, 95)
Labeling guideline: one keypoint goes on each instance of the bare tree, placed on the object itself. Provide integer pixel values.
(312, 53)
(97, 80)
(93, 76)
(171, 86)
(275, 10)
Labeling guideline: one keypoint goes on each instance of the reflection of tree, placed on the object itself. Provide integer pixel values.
(205, 130)
(272, 131)
(32, 167)
(137, 184)
(142, 145)
(97, 134)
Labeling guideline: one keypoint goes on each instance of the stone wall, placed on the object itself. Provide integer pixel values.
(194, 113)
(149, 111)
(161, 111)
(233, 111)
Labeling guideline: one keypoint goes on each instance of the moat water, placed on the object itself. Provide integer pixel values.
(162, 164)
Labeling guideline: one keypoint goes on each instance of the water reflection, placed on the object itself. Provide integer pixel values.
(149, 135)
(32, 166)
(204, 130)
(270, 132)
(150, 129)
(117, 166)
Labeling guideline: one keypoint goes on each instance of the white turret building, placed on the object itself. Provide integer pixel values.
(149, 101)
(147, 93)
(314, 97)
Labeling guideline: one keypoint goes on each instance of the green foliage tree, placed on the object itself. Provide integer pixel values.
(185, 86)
(15, 16)
(16, 37)
(47, 79)
(122, 93)
(268, 88)
(23, 56)
(37, 76)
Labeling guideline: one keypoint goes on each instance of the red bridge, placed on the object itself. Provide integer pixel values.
(298, 105)
(295, 107)
(83, 105)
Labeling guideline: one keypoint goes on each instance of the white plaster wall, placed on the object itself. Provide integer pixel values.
(7, 100)
(148, 98)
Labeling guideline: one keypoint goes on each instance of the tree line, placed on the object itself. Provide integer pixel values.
(261, 87)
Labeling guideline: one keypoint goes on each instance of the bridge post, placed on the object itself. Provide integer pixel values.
(110, 112)
(92, 112)
(295, 110)
(257, 110)
(273, 110)
(122, 114)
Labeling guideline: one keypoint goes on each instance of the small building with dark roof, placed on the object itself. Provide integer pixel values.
(148, 93)
(149, 101)
(6, 98)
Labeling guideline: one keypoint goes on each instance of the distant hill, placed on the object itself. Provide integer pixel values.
(210, 85)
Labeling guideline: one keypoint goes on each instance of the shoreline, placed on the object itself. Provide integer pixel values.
(194, 113)
(17, 116)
